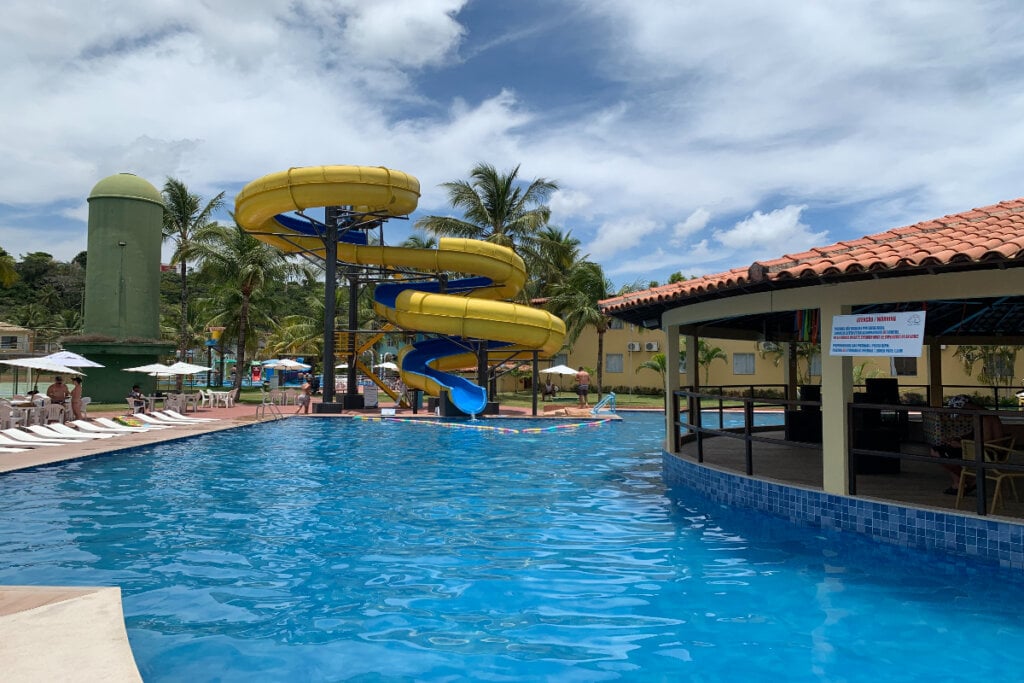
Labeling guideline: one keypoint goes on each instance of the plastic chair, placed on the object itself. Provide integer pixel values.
(996, 451)
(54, 413)
(190, 400)
(8, 418)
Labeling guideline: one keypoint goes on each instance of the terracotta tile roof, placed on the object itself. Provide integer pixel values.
(981, 236)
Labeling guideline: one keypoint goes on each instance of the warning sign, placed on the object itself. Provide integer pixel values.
(878, 334)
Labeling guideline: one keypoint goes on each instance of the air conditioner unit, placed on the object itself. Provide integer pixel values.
(633, 346)
(650, 346)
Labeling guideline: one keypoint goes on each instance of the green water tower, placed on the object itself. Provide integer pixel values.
(123, 268)
(121, 326)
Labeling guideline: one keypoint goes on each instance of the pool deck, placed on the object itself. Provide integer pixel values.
(56, 633)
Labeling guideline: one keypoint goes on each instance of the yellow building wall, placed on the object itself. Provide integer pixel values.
(766, 372)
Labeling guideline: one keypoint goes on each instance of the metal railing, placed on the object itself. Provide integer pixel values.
(688, 416)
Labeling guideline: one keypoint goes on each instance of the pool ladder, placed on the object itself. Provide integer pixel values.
(268, 406)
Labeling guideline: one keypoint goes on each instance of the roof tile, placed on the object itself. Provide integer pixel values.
(986, 234)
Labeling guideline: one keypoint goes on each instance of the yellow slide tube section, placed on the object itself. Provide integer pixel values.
(479, 314)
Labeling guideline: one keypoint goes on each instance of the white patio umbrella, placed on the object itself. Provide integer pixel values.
(286, 364)
(72, 360)
(182, 368)
(152, 369)
(559, 370)
(343, 366)
(42, 363)
(386, 365)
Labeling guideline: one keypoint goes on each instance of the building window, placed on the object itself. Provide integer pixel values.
(613, 362)
(560, 359)
(904, 367)
(615, 324)
(682, 366)
(743, 364)
(8, 342)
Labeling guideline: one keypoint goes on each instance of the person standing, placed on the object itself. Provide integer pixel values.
(582, 387)
(57, 392)
(305, 398)
(76, 398)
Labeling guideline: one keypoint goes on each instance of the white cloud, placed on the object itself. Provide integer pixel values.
(690, 110)
(615, 237)
(569, 203)
(771, 233)
(694, 223)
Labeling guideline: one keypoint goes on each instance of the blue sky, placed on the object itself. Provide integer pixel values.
(685, 136)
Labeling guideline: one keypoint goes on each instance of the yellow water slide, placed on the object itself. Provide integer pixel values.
(471, 308)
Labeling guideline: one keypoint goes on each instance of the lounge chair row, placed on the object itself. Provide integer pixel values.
(18, 439)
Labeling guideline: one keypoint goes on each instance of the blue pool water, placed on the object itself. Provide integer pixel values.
(323, 550)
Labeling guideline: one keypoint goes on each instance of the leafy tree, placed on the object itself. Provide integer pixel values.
(495, 207)
(676, 277)
(34, 268)
(242, 273)
(184, 216)
(576, 299)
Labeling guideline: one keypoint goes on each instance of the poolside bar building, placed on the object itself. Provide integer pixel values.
(964, 273)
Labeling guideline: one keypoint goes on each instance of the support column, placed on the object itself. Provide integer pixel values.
(935, 374)
(790, 371)
(330, 297)
(836, 393)
(353, 399)
(671, 382)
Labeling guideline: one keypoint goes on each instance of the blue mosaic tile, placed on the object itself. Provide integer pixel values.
(977, 538)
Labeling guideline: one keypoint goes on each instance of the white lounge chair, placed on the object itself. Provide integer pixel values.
(16, 437)
(154, 421)
(95, 428)
(78, 434)
(175, 415)
(4, 449)
(107, 422)
(52, 435)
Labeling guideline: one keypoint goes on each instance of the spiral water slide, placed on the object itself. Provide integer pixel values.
(469, 308)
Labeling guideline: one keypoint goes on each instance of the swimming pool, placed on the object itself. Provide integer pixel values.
(325, 549)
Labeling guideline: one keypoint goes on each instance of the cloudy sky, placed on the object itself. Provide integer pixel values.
(688, 136)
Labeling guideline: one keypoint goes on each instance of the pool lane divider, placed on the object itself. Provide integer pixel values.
(485, 428)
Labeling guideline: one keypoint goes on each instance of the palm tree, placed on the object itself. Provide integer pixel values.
(494, 206)
(419, 242)
(8, 269)
(576, 299)
(656, 362)
(549, 256)
(707, 354)
(242, 272)
(184, 217)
